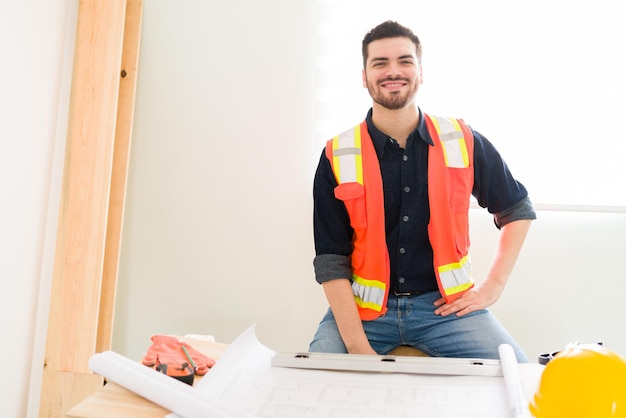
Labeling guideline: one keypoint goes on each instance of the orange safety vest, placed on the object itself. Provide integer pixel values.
(450, 180)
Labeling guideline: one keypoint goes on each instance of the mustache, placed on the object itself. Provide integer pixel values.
(394, 79)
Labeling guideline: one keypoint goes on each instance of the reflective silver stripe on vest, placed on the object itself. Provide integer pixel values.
(456, 277)
(452, 141)
(347, 160)
(368, 293)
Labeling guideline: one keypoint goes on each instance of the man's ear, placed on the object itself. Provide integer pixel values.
(421, 73)
(364, 78)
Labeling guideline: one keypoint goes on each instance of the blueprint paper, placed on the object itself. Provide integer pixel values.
(159, 388)
(244, 377)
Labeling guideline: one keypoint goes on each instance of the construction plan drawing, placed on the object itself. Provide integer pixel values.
(245, 378)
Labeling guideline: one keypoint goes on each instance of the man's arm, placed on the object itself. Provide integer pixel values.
(512, 236)
(341, 301)
(333, 246)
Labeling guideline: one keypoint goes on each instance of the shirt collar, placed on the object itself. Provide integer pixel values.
(380, 139)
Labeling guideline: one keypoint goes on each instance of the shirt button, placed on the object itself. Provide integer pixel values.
(405, 158)
(405, 218)
(407, 189)
(402, 250)
(401, 280)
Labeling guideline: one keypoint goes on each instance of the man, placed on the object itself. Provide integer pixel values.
(390, 219)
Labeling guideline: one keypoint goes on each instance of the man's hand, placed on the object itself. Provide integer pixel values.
(477, 298)
(512, 236)
(341, 301)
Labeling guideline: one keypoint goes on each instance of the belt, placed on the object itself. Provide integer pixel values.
(402, 294)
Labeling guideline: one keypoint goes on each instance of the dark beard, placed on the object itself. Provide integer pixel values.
(396, 101)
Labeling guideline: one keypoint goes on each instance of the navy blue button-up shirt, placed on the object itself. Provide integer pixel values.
(405, 183)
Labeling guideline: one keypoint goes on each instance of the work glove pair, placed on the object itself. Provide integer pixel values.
(167, 350)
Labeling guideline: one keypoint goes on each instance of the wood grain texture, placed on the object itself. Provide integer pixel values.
(81, 233)
(119, 172)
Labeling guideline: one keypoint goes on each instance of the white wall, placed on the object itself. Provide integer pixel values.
(36, 40)
(206, 249)
(217, 227)
(568, 284)
(217, 233)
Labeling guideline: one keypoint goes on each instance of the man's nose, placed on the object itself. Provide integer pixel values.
(394, 70)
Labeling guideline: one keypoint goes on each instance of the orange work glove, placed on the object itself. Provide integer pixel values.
(168, 350)
(203, 363)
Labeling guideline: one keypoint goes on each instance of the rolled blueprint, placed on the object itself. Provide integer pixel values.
(163, 390)
(513, 382)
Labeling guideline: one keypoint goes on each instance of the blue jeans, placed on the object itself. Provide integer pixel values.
(410, 320)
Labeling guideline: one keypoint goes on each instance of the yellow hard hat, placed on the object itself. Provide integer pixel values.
(582, 381)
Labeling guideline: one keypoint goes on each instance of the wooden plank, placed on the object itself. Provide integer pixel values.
(119, 174)
(69, 388)
(78, 262)
(115, 401)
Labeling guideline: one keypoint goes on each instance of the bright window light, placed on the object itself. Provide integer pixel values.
(543, 80)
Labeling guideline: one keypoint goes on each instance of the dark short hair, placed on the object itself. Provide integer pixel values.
(390, 29)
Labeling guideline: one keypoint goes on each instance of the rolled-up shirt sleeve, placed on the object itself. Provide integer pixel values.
(521, 210)
(331, 266)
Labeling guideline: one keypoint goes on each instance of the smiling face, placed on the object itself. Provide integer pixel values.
(392, 73)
